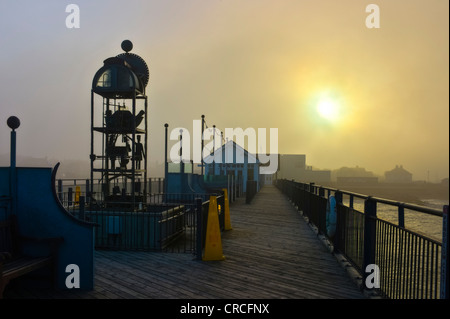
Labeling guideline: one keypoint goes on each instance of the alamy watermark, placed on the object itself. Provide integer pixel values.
(373, 277)
(218, 149)
(73, 279)
(73, 19)
(373, 19)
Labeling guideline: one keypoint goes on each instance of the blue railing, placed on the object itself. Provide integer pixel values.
(409, 264)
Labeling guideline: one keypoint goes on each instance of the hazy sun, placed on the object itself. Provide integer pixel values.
(328, 108)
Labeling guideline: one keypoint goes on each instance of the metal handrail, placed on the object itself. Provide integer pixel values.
(419, 208)
(411, 264)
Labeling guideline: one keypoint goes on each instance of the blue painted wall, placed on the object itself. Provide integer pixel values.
(39, 214)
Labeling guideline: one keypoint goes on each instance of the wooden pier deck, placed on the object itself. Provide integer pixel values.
(271, 253)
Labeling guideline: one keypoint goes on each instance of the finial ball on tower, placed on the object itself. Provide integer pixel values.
(127, 46)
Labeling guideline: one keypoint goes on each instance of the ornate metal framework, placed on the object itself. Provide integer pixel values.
(119, 130)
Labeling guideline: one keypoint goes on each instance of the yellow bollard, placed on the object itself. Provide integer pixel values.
(77, 195)
(227, 223)
(213, 243)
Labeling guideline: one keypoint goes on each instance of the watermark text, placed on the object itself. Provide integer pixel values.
(218, 149)
(73, 19)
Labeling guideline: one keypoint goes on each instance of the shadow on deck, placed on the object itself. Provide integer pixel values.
(271, 253)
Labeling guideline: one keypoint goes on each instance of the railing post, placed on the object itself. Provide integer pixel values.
(338, 196)
(166, 163)
(312, 188)
(13, 123)
(445, 255)
(339, 222)
(199, 239)
(60, 190)
(321, 192)
(81, 212)
(233, 189)
(69, 197)
(87, 191)
(370, 215)
(321, 211)
(251, 191)
(401, 216)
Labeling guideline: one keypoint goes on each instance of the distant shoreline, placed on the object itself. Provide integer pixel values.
(413, 193)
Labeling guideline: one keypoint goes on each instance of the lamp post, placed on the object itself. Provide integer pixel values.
(166, 164)
(203, 129)
(13, 123)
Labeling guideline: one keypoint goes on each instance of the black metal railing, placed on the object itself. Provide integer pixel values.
(166, 223)
(252, 189)
(409, 264)
(144, 230)
(72, 186)
(70, 189)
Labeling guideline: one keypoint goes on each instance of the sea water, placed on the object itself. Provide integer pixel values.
(422, 223)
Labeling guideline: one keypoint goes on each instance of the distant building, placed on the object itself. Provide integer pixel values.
(357, 180)
(398, 175)
(232, 159)
(354, 175)
(293, 166)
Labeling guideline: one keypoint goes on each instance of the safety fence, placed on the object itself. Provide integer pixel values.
(70, 186)
(167, 222)
(69, 190)
(397, 262)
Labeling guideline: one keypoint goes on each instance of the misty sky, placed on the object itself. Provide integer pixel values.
(242, 63)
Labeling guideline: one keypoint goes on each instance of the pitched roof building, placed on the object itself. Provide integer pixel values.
(398, 175)
(232, 159)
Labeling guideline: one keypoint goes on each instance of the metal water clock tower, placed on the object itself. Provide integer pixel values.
(119, 130)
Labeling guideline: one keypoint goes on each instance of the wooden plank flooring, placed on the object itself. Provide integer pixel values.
(271, 253)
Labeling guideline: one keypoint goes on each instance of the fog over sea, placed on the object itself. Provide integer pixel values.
(425, 224)
(428, 195)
